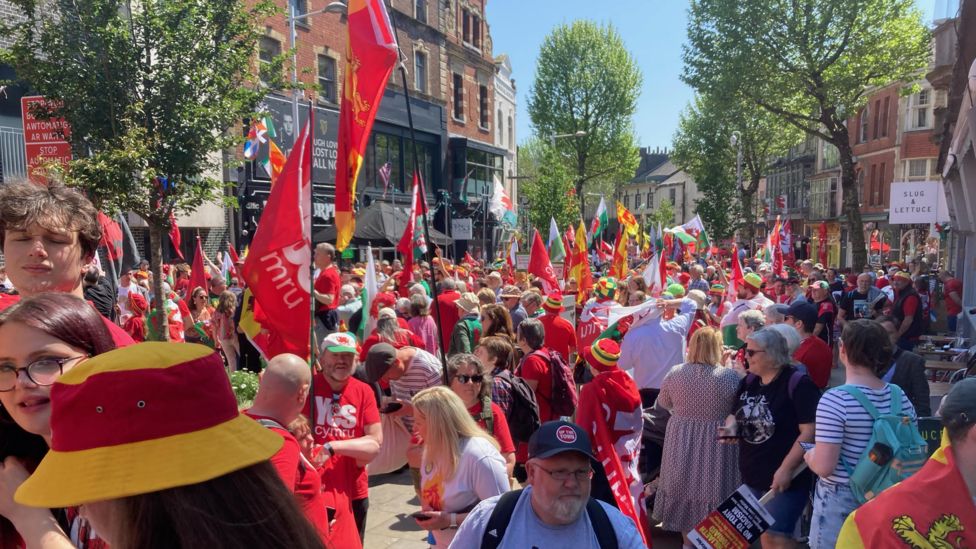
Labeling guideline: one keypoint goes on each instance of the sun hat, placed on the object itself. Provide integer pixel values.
(341, 342)
(752, 280)
(717, 289)
(676, 290)
(510, 291)
(468, 302)
(553, 303)
(603, 354)
(141, 419)
(386, 313)
(378, 360)
(556, 437)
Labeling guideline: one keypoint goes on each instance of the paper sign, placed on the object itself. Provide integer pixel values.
(522, 262)
(44, 139)
(736, 524)
(917, 202)
(461, 229)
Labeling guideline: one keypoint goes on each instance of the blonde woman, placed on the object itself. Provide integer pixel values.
(461, 464)
(225, 331)
(698, 472)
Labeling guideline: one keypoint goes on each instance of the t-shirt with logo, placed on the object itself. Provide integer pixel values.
(342, 416)
(769, 423)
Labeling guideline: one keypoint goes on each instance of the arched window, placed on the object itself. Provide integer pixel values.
(511, 133)
(501, 132)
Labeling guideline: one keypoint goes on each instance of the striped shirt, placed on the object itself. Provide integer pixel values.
(842, 420)
(423, 371)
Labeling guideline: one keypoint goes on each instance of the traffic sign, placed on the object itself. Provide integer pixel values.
(44, 139)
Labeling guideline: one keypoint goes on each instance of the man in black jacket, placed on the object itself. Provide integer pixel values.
(909, 372)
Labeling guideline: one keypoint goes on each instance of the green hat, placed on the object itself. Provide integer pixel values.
(753, 280)
(606, 287)
(677, 290)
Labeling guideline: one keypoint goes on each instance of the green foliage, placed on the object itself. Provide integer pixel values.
(663, 214)
(548, 186)
(812, 63)
(149, 89)
(586, 80)
(245, 386)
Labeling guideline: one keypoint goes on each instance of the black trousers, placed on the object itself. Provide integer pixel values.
(329, 318)
(648, 397)
(359, 509)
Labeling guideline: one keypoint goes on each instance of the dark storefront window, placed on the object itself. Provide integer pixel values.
(397, 150)
(479, 167)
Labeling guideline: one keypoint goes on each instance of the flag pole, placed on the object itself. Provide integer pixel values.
(313, 354)
(416, 166)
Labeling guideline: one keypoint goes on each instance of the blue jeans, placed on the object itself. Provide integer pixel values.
(785, 508)
(907, 344)
(831, 505)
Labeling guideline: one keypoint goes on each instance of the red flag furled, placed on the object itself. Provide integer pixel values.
(371, 54)
(540, 266)
(174, 236)
(412, 243)
(277, 269)
(822, 244)
(198, 273)
(731, 291)
(111, 237)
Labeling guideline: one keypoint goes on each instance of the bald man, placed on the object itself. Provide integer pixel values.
(281, 397)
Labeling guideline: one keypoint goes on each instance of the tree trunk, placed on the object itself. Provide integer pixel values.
(851, 202)
(747, 195)
(156, 265)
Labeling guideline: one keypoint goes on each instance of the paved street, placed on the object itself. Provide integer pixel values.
(391, 500)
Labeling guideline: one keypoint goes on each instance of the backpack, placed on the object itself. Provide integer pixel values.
(523, 412)
(501, 515)
(474, 331)
(895, 451)
(564, 397)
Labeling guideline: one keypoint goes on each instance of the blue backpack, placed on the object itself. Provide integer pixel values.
(895, 451)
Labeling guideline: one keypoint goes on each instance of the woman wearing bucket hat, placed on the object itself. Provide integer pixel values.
(149, 441)
(44, 336)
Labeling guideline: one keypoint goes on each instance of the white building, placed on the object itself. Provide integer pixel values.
(505, 138)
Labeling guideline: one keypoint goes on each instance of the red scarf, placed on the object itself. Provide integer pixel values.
(610, 411)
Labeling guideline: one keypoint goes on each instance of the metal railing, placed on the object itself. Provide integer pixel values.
(12, 153)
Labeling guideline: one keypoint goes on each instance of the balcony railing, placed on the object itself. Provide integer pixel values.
(12, 153)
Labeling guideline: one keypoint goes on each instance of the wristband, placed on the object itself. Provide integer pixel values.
(454, 523)
(328, 448)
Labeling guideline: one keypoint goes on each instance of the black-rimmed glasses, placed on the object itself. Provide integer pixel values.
(42, 372)
(563, 476)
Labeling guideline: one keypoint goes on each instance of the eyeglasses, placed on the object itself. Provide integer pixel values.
(752, 352)
(562, 476)
(463, 379)
(42, 372)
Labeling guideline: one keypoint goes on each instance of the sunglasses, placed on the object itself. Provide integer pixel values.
(752, 352)
(464, 379)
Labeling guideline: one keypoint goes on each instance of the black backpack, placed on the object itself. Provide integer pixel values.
(523, 412)
(501, 515)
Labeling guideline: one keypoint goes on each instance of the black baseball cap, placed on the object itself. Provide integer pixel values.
(556, 437)
(378, 360)
(803, 311)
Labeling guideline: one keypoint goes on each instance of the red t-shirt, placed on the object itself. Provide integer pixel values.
(328, 283)
(119, 336)
(536, 368)
(343, 416)
(817, 357)
(301, 478)
(500, 424)
(953, 307)
(449, 315)
(560, 335)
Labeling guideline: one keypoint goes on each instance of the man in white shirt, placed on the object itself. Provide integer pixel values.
(649, 350)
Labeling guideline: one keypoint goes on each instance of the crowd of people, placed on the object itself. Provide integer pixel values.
(518, 428)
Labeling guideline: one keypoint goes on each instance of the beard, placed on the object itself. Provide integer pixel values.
(567, 509)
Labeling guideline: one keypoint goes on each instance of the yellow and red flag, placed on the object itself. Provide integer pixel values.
(371, 54)
(627, 220)
(580, 271)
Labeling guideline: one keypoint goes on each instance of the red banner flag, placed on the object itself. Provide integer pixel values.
(540, 266)
(111, 237)
(371, 54)
(822, 244)
(278, 267)
(174, 236)
(732, 290)
(412, 243)
(198, 273)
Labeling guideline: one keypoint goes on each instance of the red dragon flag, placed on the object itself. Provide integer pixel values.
(277, 268)
(111, 237)
(371, 54)
(412, 244)
(540, 266)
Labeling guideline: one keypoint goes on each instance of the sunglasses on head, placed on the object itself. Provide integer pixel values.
(464, 379)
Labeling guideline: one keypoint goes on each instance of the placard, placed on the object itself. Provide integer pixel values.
(462, 229)
(44, 139)
(522, 262)
(736, 524)
(917, 202)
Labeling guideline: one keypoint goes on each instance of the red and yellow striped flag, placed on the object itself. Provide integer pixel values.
(371, 54)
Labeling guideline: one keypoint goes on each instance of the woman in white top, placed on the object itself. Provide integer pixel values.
(461, 464)
(844, 427)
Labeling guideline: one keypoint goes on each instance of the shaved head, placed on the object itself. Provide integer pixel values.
(283, 388)
(287, 372)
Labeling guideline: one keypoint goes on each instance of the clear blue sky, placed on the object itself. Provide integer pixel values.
(653, 31)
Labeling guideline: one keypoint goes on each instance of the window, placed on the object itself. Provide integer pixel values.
(877, 118)
(465, 26)
(483, 106)
(476, 31)
(500, 129)
(865, 194)
(884, 117)
(301, 8)
(864, 125)
(627, 201)
(881, 184)
(327, 79)
(873, 196)
(919, 110)
(650, 200)
(420, 71)
(511, 133)
(671, 195)
(458, 97)
(917, 169)
(268, 49)
(420, 10)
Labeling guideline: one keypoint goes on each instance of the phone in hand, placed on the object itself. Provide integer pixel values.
(420, 515)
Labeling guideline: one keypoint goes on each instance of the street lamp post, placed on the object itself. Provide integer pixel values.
(736, 141)
(554, 137)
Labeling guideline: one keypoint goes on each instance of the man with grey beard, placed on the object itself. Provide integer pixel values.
(555, 510)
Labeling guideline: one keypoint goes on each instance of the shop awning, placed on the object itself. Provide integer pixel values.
(379, 224)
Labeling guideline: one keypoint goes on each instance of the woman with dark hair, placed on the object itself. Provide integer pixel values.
(40, 338)
(496, 321)
(202, 479)
(844, 425)
(470, 379)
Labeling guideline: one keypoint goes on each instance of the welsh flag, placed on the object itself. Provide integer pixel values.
(696, 228)
(655, 274)
(600, 221)
(412, 244)
(501, 205)
(227, 270)
(556, 250)
(370, 290)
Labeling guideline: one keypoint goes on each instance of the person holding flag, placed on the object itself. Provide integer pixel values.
(557, 252)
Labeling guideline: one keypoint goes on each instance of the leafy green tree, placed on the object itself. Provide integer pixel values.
(548, 185)
(812, 63)
(587, 81)
(703, 148)
(150, 90)
(663, 214)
